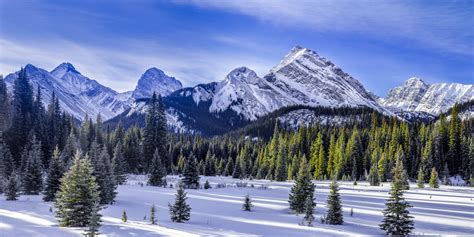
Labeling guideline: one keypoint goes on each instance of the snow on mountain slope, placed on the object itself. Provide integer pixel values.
(299, 117)
(417, 96)
(155, 80)
(247, 94)
(303, 77)
(98, 98)
(78, 95)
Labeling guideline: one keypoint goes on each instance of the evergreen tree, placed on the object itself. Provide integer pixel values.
(93, 223)
(104, 174)
(191, 175)
(334, 214)
(32, 178)
(152, 215)
(382, 167)
(180, 210)
(209, 167)
(301, 190)
(5, 106)
(281, 170)
(124, 216)
(207, 185)
(77, 200)
(434, 179)
(309, 206)
(421, 178)
(397, 219)
(69, 151)
(154, 133)
(237, 172)
(247, 206)
(12, 186)
(157, 173)
(454, 153)
(229, 167)
(22, 111)
(374, 175)
(53, 180)
(6, 161)
(119, 164)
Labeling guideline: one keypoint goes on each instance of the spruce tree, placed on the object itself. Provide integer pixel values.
(309, 206)
(191, 175)
(22, 110)
(302, 188)
(229, 167)
(207, 185)
(247, 206)
(374, 175)
(93, 223)
(152, 215)
(32, 178)
(53, 180)
(69, 151)
(237, 172)
(119, 164)
(434, 179)
(421, 178)
(397, 219)
(209, 167)
(6, 160)
(104, 174)
(281, 170)
(5, 106)
(78, 197)
(334, 214)
(157, 171)
(124, 216)
(12, 186)
(180, 210)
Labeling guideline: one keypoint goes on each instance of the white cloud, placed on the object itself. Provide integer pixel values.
(120, 69)
(442, 25)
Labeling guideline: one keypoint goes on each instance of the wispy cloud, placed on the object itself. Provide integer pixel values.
(120, 69)
(444, 25)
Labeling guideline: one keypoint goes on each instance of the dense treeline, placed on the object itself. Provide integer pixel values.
(44, 150)
(350, 152)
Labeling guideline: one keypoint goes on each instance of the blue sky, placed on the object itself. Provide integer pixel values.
(380, 43)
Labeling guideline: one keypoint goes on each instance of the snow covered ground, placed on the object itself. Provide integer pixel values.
(217, 211)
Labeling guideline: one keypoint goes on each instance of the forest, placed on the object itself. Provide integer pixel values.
(44, 150)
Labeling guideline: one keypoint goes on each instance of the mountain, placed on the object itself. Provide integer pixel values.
(301, 78)
(78, 95)
(415, 95)
(155, 80)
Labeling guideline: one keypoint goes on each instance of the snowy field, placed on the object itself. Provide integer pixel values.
(217, 211)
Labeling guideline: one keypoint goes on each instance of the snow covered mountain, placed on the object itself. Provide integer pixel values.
(247, 94)
(417, 96)
(301, 78)
(78, 95)
(155, 80)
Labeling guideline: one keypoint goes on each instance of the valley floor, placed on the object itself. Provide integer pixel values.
(217, 211)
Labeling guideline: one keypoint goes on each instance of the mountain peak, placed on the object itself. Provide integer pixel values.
(153, 72)
(155, 80)
(415, 81)
(30, 68)
(295, 53)
(64, 68)
(241, 74)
